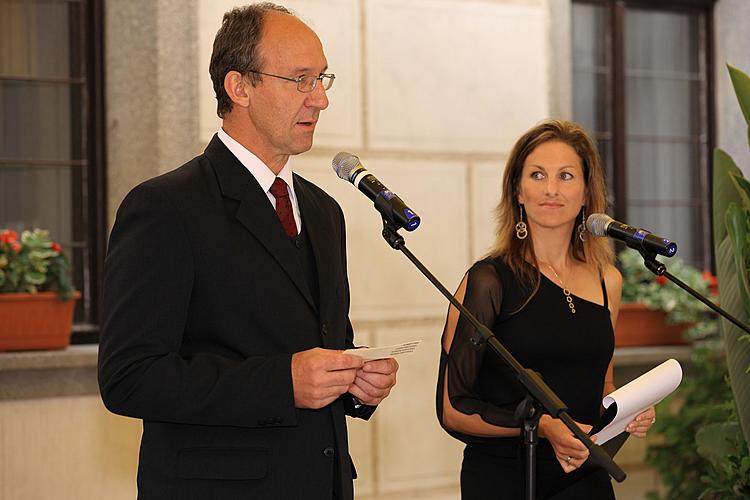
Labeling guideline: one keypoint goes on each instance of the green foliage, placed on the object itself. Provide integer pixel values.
(722, 445)
(33, 264)
(731, 217)
(694, 461)
(705, 425)
(641, 285)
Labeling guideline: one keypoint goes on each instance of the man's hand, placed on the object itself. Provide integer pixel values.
(374, 380)
(319, 376)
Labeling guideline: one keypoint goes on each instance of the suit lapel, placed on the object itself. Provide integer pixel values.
(314, 221)
(255, 212)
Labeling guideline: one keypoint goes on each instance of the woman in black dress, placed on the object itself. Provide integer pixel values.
(550, 293)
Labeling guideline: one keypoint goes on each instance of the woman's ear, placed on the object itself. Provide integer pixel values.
(235, 85)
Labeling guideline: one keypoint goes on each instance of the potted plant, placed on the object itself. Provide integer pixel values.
(36, 294)
(655, 311)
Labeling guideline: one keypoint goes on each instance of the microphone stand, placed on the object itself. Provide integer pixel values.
(540, 398)
(659, 269)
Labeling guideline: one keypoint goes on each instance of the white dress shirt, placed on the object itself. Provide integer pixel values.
(263, 174)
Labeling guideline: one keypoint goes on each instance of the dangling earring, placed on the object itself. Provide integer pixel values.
(582, 225)
(521, 231)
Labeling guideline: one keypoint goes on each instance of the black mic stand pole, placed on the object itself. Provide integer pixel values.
(659, 269)
(539, 398)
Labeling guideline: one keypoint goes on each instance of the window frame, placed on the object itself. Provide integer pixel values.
(615, 48)
(88, 172)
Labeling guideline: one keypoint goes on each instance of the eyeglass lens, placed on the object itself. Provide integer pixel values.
(307, 84)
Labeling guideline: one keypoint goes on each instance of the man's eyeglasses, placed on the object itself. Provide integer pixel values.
(305, 84)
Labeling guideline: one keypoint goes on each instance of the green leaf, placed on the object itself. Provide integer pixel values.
(743, 188)
(35, 278)
(42, 253)
(736, 223)
(724, 189)
(741, 83)
(718, 441)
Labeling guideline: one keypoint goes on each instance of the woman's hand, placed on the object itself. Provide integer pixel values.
(570, 452)
(642, 423)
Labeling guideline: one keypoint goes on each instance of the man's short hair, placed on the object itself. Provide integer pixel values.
(236, 48)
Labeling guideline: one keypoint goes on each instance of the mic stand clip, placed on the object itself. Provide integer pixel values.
(659, 269)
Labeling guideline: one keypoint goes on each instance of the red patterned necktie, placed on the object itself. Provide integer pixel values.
(280, 191)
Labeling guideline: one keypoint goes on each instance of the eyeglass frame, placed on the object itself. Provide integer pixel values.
(301, 79)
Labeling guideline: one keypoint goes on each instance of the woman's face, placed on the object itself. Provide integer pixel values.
(552, 187)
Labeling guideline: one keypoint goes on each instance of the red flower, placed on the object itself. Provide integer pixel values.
(8, 237)
(662, 280)
(16, 246)
(713, 283)
(56, 247)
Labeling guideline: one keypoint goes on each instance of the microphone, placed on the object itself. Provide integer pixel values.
(391, 207)
(639, 239)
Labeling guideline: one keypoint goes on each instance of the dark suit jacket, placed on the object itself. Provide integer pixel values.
(204, 304)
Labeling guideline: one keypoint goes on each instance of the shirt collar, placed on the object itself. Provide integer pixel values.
(260, 170)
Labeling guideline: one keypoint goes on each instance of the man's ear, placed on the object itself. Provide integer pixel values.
(236, 87)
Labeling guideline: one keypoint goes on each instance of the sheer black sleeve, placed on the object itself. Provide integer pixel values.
(460, 359)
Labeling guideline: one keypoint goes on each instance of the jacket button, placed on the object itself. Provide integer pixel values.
(329, 452)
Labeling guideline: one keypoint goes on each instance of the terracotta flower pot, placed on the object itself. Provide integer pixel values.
(35, 321)
(637, 325)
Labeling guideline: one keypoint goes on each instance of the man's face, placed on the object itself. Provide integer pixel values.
(283, 119)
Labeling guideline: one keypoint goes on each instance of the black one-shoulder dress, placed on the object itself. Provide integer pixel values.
(570, 351)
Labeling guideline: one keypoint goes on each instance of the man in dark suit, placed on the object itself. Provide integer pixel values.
(226, 296)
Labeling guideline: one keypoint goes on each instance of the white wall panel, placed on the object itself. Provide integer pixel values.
(383, 282)
(361, 434)
(415, 452)
(454, 76)
(66, 447)
(486, 186)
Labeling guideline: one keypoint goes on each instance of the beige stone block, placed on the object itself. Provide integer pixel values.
(638, 483)
(66, 448)
(361, 434)
(414, 453)
(449, 493)
(486, 188)
(384, 284)
(337, 24)
(454, 76)
(633, 452)
(209, 22)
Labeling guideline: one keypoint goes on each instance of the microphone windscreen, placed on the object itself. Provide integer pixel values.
(343, 164)
(597, 224)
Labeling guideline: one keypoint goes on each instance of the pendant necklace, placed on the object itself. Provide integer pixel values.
(566, 292)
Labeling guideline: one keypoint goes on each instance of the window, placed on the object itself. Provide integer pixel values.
(51, 133)
(642, 87)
